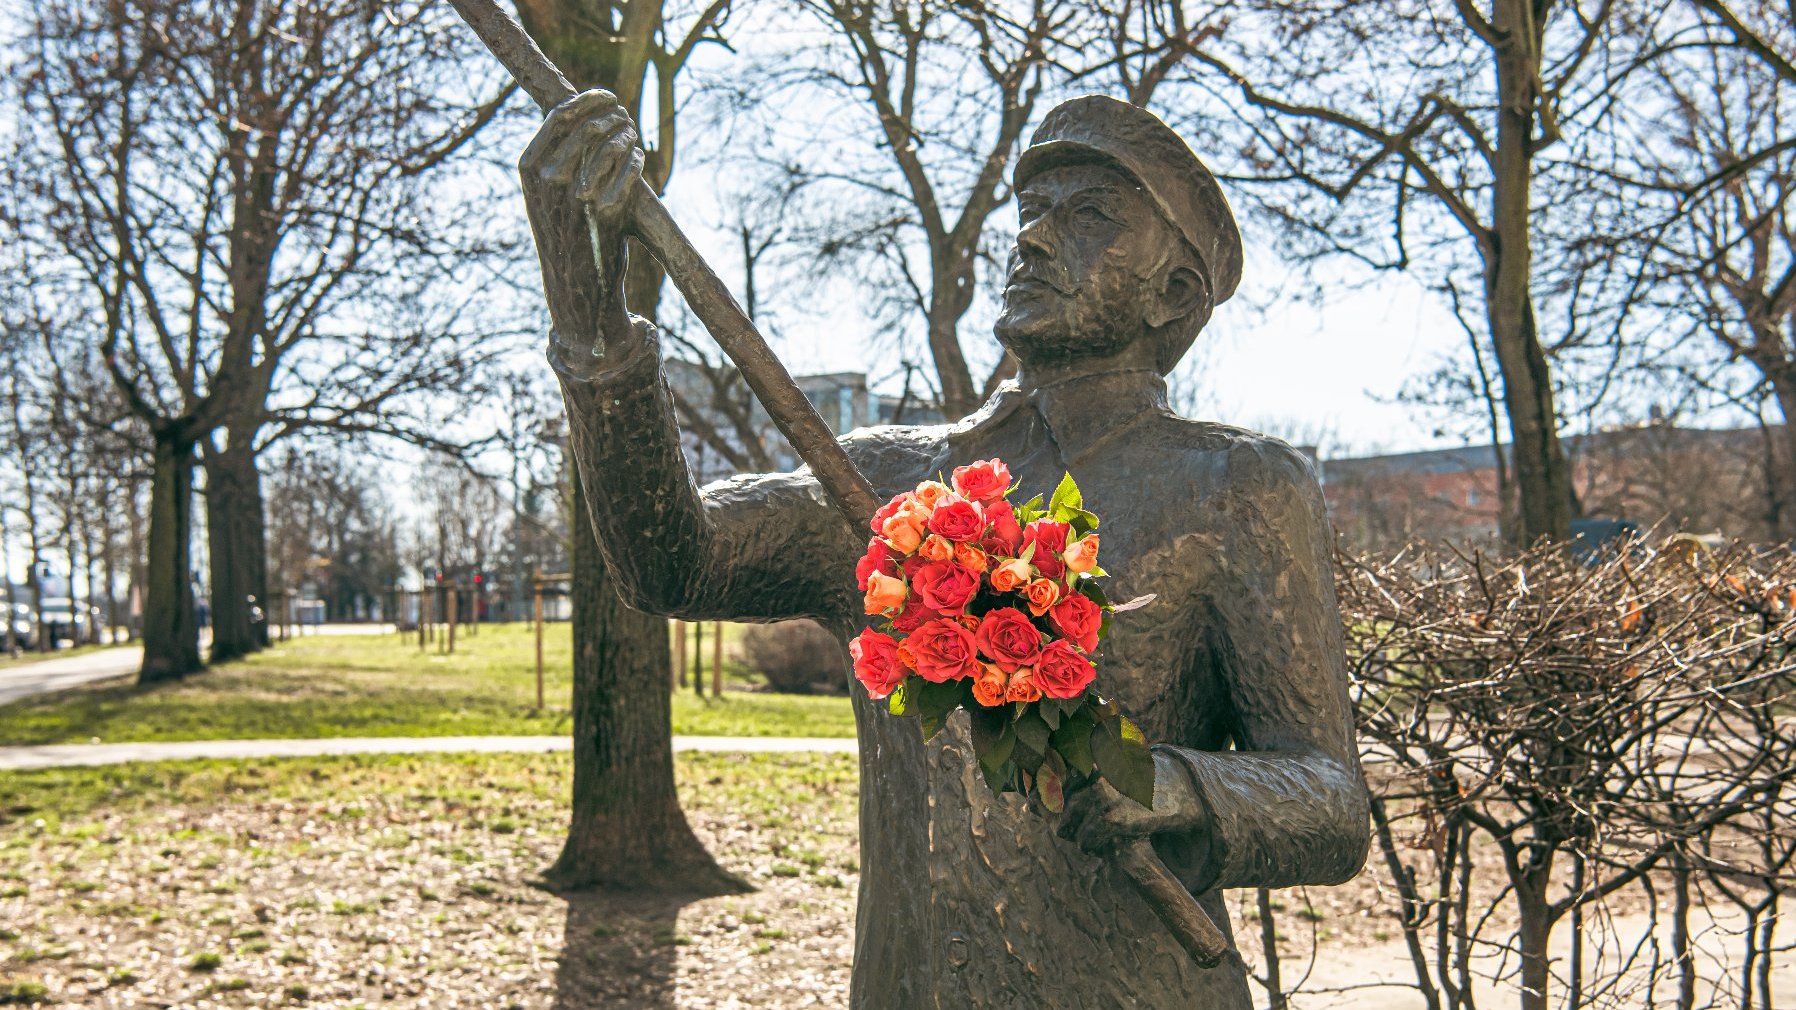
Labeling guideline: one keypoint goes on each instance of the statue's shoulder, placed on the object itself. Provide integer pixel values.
(1240, 458)
(893, 454)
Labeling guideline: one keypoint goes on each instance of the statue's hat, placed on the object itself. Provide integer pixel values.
(1097, 128)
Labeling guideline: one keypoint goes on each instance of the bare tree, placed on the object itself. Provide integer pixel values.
(626, 826)
(243, 199)
(1414, 135)
(915, 171)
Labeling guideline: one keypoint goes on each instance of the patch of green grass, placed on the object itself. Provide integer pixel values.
(22, 992)
(383, 685)
(205, 960)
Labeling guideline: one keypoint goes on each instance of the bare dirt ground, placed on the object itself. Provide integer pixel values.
(407, 881)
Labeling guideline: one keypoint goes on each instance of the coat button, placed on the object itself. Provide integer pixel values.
(958, 951)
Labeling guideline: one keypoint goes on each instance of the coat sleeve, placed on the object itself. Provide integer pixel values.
(767, 546)
(1288, 804)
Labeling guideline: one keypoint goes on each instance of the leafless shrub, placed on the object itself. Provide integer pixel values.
(1615, 731)
(797, 657)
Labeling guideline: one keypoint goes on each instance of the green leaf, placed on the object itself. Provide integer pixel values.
(1067, 499)
(899, 701)
(935, 701)
(1073, 740)
(1032, 732)
(1124, 760)
(993, 738)
(1095, 593)
(1049, 709)
(1000, 779)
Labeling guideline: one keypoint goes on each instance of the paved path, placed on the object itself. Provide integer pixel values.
(85, 754)
(27, 679)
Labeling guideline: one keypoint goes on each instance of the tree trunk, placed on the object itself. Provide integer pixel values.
(171, 637)
(1534, 931)
(627, 830)
(236, 537)
(951, 295)
(1780, 478)
(1542, 472)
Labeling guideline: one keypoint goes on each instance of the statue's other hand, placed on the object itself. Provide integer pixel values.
(587, 153)
(1098, 818)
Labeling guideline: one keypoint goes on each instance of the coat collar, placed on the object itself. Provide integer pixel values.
(1082, 414)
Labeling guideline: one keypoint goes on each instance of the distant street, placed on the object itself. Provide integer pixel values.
(27, 679)
(61, 673)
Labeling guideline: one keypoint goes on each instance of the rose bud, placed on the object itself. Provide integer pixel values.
(958, 520)
(904, 529)
(887, 510)
(1042, 594)
(1049, 538)
(1078, 620)
(1082, 554)
(984, 481)
(1062, 672)
(885, 594)
(1002, 534)
(945, 586)
(945, 651)
(879, 558)
(989, 687)
(970, 557)
(1008, 638)
(876, 662)
(913, 615)
(1011, 574)
(931, 492)
(936, 548)
(1022, 686)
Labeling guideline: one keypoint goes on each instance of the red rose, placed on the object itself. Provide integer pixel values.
(1008, 638)
(958, 520)
(876, 662)
(1049, 538)
(1062, 672)
(1003, 536)
(944, 651)
(913, 615)
(1077, 618)
(945, 586)
(888, 510)
(984, 481)
(879, 558)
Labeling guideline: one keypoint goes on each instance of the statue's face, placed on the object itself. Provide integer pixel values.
(1083, 274)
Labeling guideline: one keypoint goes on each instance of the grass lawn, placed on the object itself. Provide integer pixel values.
(383, 685)
(407, 881)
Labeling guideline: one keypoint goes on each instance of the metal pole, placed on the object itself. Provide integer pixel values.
(539, 640)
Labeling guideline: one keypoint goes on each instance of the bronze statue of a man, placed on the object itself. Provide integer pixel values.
(969, 899)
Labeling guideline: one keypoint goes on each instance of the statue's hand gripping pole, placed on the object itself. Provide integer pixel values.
(846, 486)
(710, 300)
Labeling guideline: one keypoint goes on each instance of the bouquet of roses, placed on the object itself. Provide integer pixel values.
(994, 608)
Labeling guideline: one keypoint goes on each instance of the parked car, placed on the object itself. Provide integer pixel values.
(24, 626)
(62, 619)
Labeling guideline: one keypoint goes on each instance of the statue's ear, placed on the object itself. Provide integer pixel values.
(1183, 292)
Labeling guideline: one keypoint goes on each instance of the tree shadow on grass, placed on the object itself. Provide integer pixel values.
(619, 950)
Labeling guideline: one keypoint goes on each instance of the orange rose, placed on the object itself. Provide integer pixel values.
(989, 687)
(1082, 554)
(904, 528)
(885, 594)
(931, 492)
(1011, 574)
(936, 547)
(1041, 594)
(970, 557)
(1022, 686)
(969, 622)
(904, 654)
